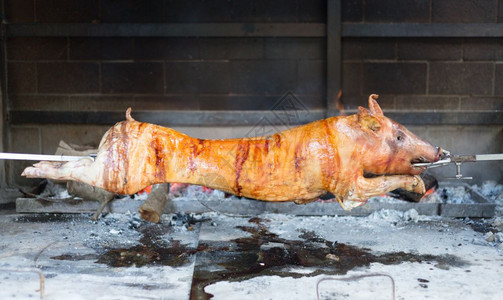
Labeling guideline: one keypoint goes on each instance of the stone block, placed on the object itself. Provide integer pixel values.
(412, 11)
(461, 78)
(132, 78)
(430, 49)
(22, 77)
(263, 77)
(464, 11)
(394, 78)
(36, 48)
(62, 77)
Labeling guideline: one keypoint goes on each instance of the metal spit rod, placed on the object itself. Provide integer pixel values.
(458, 160)
(41, 157)
(462, 159)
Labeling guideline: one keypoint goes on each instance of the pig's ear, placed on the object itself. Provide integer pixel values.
(374, 107)
(367, 120)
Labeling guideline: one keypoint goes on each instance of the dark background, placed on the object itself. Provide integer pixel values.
(92, 74)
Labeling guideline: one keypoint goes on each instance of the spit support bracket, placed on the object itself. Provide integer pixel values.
(458, 160)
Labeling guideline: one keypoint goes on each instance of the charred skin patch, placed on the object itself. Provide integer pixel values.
(333, 163)
(156, 145)
(241, 156)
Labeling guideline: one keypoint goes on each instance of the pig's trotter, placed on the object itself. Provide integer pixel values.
(417, 185)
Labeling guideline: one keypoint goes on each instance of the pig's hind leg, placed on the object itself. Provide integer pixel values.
(81, 170)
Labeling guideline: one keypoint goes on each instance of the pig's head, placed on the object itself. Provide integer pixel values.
(388, 147)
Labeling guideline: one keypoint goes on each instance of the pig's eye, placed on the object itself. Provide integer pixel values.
(400, 137)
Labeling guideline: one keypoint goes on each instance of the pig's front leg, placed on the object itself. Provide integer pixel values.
(369, 187)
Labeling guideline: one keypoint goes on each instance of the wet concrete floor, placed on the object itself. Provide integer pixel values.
(222, 257)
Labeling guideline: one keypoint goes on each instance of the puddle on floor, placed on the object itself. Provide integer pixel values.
(264, 253)
(151, 250)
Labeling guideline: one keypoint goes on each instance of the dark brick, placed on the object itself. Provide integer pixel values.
(236, 102)
(166, 48)
(352, 10)
(363, 48)
(231, 48)
(263, 77)
(126, 78)
(197, 77)
(394, 78)
(33, 48)
(213, 77)
(426, 103)
(22, 78)
(264, 11)
(277, 11)
(461, 78)
(397, 11)
(245, 11)
(477, 103)
(483, 49)
(198, 11)
(295, 48)
(130, 11)
(498, 88)
(101, 48)
(85, 135)
(311, 77)
(313, 10)
(226, 102)
(67, 11)
(465, 11)
(68, 77)
(318, 101)
(430, 49)
(44, 102)
(352, 78)
(102, 102)
(182, 102)
(19, 11)
(24, 140)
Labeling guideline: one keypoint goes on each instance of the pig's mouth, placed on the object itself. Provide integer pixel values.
(420, 160)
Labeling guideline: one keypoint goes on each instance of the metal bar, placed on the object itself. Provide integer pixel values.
(482, 157)
(239, 118)
(39, 157)
(334, 56)
(423, 30)
(256, 30)
(171, 30)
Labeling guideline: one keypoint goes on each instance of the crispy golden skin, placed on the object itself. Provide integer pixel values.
(298, 164)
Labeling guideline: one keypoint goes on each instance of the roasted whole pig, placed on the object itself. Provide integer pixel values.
(354, 157)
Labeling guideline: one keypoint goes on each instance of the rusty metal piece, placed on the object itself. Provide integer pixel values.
(357, 277)
(30, 270)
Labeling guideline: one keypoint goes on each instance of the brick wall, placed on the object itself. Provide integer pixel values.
(96, 74)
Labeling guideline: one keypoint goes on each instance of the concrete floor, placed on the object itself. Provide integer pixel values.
(271, 256)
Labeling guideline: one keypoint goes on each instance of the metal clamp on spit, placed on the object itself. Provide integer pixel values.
(458, 160)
